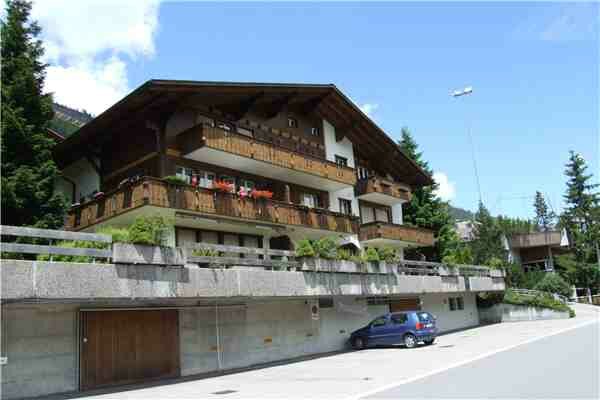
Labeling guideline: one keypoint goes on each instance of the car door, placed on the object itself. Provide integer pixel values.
(400, 323)
(378, 330)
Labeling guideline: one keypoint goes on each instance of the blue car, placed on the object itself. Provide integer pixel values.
(407, 327)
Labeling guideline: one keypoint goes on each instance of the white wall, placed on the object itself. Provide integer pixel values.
(437, 304)
(84, 176)
(344, 149)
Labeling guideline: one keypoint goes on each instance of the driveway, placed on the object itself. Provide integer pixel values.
(378, 372)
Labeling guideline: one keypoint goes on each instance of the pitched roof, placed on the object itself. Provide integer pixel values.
(326, 100)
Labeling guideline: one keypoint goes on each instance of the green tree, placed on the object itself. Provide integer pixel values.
(581, 216)
(512, 226)
(425, 209)
(28, 171)
(544, 218)
(488, 243)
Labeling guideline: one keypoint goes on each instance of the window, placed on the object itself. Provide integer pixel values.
(362, 172)
(345, 206)
(452, 303)
(341, 161)
(292, 122)
(379, 321)
(314, 131)
(425, 317)
(244, 131)
(382, 215)
(456, 303)
(310, 200)
(399, 319)
(223, 125)
(184, 173)
(206, 179)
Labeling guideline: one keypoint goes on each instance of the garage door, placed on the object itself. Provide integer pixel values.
(120, 347)
(404, 304)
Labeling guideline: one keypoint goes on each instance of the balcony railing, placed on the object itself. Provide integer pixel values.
(244, 146)
(404, 233)
(378, 185)
(550, 238)
(155, 192)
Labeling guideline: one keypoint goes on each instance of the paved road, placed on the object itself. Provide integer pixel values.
(561, 366)
(549, 358)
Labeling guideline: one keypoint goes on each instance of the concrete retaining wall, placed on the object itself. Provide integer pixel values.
(52, 281)
(448, 320)
(40, 343)
(512, 313)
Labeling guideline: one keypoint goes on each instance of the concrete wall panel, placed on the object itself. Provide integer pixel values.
(447, 320)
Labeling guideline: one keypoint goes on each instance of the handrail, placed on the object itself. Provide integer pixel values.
(50, 234)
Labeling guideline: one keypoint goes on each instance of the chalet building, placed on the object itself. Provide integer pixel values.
(260, 167)
(265, 165)
(536, 251)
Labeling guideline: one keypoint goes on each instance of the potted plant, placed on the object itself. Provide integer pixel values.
(224, 187)
(372, 260)
(261, 194)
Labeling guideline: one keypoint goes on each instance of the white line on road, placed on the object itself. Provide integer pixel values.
(470, 360)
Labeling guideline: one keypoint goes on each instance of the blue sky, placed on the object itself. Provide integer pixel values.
(534, 69)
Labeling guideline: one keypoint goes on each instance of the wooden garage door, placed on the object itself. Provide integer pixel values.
(120, 347)
(404, 305)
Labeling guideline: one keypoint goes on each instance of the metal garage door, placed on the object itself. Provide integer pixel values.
(405, 304)
(120, 347)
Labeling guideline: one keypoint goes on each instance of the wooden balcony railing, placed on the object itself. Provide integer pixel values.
(155, 192)
(383, 230)
(376, 184)
(241, 145)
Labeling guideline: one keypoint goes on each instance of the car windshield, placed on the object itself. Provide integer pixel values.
(424, 317)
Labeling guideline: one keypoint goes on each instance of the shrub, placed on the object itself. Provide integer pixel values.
(205, 253)
(343, 254)
(71, 244)
(387, 254)
(542, 300)
(459, 255)
(175, 180)
(119, 235)
(325, 247)
(148, 230)
(553, 283)
(495, 263)
(305, 249)
(371, 255)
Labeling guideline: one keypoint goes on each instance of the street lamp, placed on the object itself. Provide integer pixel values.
(459, 93)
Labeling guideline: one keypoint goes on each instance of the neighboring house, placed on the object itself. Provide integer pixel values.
(536, 251)
(329, 168)
(466, 230)
(68, 327)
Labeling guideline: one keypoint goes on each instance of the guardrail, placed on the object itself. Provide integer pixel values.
(251, 256)
(53, 235)
(532, 293)
(433, 268)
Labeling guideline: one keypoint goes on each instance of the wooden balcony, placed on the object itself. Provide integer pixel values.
(155, 192)
(382, 191)
(236, 151)
(386, 233)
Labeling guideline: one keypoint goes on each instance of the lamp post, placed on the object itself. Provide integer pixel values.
(459, 93)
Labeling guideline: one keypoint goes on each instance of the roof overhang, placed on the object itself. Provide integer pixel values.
(162, 97)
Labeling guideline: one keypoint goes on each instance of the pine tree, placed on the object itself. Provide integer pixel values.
(425, 209)
(28, 171)
(544, 218)
(488, 243)
(581, 216)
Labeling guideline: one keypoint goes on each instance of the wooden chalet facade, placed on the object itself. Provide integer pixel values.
(264, 165)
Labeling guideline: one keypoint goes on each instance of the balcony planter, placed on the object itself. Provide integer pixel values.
(127, 253)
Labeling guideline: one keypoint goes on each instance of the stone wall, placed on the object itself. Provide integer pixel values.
(511, 313)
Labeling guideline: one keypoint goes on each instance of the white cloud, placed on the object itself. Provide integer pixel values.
(446, 190)
(369, 108)
(561, 22)
(88, 44)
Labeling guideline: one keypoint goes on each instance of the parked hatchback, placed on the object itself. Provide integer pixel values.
(407, 327)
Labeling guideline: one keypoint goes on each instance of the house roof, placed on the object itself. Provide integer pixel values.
(160, 97)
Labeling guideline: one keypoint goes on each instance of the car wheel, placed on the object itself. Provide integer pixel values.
(429, 342)
(410, 341)
(358, 343)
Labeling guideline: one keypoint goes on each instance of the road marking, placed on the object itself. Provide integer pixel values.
(460, 363)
